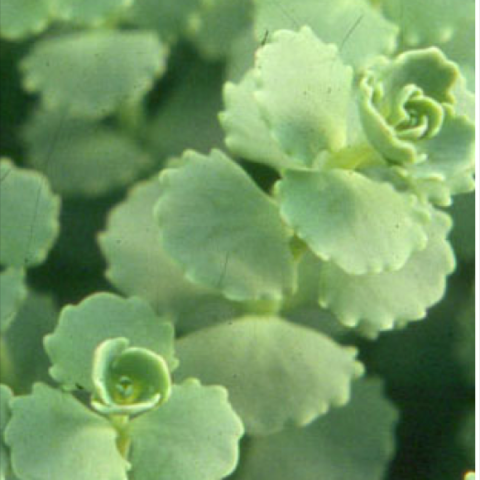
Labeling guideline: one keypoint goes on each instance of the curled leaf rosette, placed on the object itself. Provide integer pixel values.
(128, 380)
(414, 111)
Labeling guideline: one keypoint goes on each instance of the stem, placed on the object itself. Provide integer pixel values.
(120, 423)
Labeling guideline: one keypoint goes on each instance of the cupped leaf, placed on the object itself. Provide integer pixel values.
(87, 159)
(5, 397)
(81, 328)
(194, 435)
(88, 12)
(22, 18)
(91, 73)
(52, 436)
(223, 230)
(276, 372)
(359, 224)
(216, 23)
(381, 301)
(247, 133)
(29, 214)
(13, 292)
(303, 91)
(355, 442)
(358, 30)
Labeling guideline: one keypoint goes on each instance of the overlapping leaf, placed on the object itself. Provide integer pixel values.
(463, 233)
(5, 397)
(194, 435)
(223, 230)
(28, 216)
(22, 18)
(83, 327)
(12, 292)
(92, 73)
(306, 371)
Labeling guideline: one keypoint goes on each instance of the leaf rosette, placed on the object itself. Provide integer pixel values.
(128, 380)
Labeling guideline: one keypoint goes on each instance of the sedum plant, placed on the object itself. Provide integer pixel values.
(213, 205)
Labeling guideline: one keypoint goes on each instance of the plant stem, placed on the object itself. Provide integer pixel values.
(120, 422)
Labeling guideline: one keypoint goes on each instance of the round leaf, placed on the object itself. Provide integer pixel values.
(28, 216)
(361, 225)
(52, 436)
(193, 436)
(21, 18)
(217, 223)
(275, 372)
(5, 397)
(12, 292)
(379, 301)
(355, 442)
(91, 73)
(81, 328)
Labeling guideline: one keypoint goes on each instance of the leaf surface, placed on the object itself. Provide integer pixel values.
(22, 18)
(12, 293)
(5, 414)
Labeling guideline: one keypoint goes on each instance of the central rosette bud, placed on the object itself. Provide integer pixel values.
(128, 380)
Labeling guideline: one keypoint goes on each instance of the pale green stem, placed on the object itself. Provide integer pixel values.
(120, 423)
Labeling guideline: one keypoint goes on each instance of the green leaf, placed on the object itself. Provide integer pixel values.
(87, 159)
(247, 133)
(216, 223)
(5, 397)
(28, 216)
(381, 301)
(303, 91)
(241, 57)
(306, 371)
(466, 434)
(168, 17)
(463, 233)
(355, 442)
(358, 30)
(22, 18)
(215, 25)
(193, 436)
(91, 73)
(52, 436)
(81, 328)
(359, 224)
(88, 12)
(13, 292)
(470, 476)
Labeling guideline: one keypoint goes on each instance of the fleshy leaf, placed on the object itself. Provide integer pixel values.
(306, 370)
(22, 18)
(53, 436)
(194, 435)
(247, 133)
(347, 23)
(81, 328)
(303, 93)
(91, 73)
(381, 301)
(5, 397)
(355, 442)
(216, 24)
(88, 12)
(88, 159)
(13, 292)
(28, 216)
(362, 225)
(217, 223)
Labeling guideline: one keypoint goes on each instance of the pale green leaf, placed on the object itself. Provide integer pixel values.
(91, 73)
(88, 12)
(381, 301)
(138, 265)
(303, 91)
(28, 216)
(355, 442)
(12, 293)
(53, 436)
(5, 397)
(81, 328)
(168, 17)
(87, 159)
(215, 25)
(193, 436)
(359, 224)
(22, 18)
(247, 133)
(241, 57)
(470, 476)
(217, 223)
(358, 30)
(275, 372)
